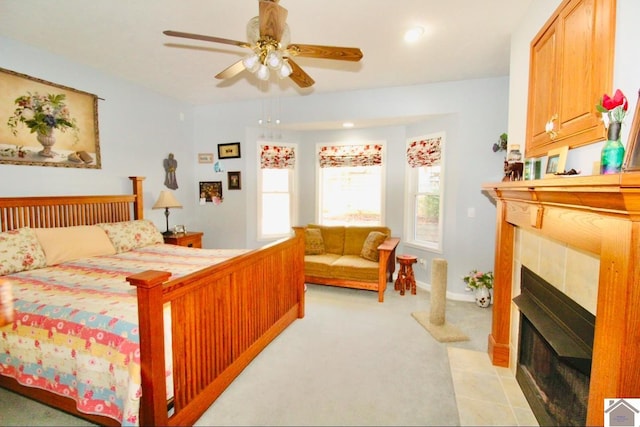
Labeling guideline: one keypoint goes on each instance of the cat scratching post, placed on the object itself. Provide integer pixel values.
(438, 291)
(434, 322)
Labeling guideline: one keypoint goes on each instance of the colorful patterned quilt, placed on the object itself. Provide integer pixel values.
(75, 332)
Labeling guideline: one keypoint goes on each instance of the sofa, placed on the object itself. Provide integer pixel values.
(359, 257)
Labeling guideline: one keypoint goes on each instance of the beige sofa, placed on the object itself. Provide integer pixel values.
(350, 256)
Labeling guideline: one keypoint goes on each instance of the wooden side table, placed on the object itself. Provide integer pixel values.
(405, 279)
(192, 239)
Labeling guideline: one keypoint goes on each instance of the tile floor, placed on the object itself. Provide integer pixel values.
(487, 395)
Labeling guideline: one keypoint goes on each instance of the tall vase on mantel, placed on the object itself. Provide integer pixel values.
(46, 140)
(613, 151)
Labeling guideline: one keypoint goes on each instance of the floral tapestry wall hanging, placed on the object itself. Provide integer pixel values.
(46, 124)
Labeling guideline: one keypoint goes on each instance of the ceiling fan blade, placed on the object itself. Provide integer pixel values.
(206, 38)
(325, 52)
(298, 75)
(231, 71)
(272, 18)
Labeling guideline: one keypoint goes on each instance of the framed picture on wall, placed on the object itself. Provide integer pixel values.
(47, 124)
(205, 157)
(229, 151)
(234, 180)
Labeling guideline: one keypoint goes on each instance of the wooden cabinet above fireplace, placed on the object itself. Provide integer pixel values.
(599, 214)
(571, 67)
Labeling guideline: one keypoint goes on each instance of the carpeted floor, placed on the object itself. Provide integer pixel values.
(350, 361)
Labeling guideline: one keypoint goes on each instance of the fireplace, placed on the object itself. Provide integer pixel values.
(554, 352)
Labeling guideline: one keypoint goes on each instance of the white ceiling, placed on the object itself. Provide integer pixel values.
(464, 39)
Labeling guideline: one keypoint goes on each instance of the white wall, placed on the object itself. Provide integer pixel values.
(626, 72)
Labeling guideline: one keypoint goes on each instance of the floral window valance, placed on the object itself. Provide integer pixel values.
(425, 152)
(332, 156)
(277, 157)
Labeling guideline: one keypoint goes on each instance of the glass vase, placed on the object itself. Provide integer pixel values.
(613, 151)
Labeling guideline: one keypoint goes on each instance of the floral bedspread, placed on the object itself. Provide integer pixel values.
(75, 332)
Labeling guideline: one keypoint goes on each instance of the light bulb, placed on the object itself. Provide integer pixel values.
(251, 62)
(285, 70)
(274, 60)
(263, 72)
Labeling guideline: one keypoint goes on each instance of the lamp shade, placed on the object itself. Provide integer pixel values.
(166, 200)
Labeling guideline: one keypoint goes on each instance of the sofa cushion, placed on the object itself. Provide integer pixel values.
(313, 243)
(355, 236)
(354, 267)
(370, 246)
(333, 237)
(319, 265)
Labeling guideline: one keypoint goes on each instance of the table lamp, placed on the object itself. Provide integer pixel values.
(166, 200)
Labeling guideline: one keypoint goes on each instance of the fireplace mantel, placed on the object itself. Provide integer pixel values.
(599, 214)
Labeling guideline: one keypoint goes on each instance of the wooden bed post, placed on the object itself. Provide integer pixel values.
(153, 404)
(138, 205)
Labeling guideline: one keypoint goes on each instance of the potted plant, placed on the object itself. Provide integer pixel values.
(481, 283)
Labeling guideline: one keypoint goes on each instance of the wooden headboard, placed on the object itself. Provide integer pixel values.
(67, 211)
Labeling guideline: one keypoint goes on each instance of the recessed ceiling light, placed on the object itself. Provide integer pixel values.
(413, 34)
(347, 125)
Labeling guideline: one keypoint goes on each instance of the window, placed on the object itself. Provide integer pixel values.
(424, 192)
(276, 190)
(350, 184)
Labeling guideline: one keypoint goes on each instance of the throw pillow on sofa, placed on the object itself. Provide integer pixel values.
(370, 246)
(313, 243)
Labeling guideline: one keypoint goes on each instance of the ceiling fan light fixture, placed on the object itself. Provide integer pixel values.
(263, 72)
(286, 70)
(251, 62)
(274, 60)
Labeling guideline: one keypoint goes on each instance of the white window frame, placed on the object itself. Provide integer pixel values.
(383, 179)
(411, 186)
(293, 192)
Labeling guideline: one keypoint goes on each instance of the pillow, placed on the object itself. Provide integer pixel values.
(129, 235)
(313, 243)
(62, 244)
(370, 246)
(20, 250)
(6, 302)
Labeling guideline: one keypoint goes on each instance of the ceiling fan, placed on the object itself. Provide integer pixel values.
(269, 40)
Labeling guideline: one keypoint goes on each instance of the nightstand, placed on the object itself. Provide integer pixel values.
(192, 239)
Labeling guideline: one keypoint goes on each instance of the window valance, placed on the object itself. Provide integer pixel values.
(277, 157)
(424, 152)
(350, 155)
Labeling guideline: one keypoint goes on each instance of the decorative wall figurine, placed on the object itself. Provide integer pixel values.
(170, 166)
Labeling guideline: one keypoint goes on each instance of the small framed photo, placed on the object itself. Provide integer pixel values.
(632, 157)
(179, 229)
(205, 157)
(229, 151)
(556, 161)
(211, 191)
(234, 180)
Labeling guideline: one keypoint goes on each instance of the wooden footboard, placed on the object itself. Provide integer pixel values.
(221, 318)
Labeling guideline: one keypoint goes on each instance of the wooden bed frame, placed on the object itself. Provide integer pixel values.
(221, 316)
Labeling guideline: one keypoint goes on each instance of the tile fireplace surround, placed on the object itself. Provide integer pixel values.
(598, 216)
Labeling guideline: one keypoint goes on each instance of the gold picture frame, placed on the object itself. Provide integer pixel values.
(632, 156)
(76, 146)
(556, 161)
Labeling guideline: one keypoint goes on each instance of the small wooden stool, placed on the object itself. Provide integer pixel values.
(405, 279)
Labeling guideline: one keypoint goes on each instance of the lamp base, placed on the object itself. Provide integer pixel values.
(167, 233)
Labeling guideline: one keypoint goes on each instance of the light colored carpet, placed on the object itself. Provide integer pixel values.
(350, 361)
(445, 332)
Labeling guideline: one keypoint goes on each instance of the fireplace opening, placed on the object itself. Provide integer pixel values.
(554, 352)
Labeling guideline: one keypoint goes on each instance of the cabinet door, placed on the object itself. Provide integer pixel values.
(572, 57)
